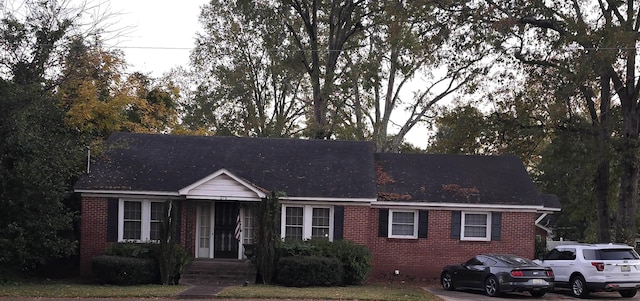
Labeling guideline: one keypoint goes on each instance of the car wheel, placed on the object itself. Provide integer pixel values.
(491, 286)
(447, 281)
(628, 293)
(537, 294)
(579, 287)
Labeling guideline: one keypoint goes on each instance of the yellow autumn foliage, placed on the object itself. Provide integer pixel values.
(99, 98)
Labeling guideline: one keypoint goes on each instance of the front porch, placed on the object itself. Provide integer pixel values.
(222, 229)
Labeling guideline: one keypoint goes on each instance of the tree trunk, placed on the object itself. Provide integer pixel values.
(626, 229)
(602, 176)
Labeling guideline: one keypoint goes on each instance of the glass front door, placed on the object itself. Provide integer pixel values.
(204, 230)
(224, 230)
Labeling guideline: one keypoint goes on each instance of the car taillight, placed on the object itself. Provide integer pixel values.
(549, 273)
(517, 273)
(599, 266)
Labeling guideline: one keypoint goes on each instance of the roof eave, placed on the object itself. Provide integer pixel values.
(102, 192)
(460, 206)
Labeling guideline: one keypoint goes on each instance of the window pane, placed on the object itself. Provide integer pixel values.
(293, 233)
(154, 233)
(132, 230)
(321, 217)
(157, 210)
(402, 223)
(320, 223)
(402, 218)
(470, 231)
(133, 211)
(294, 216)
(293, 223)
(475, 219)
(132, 226)
(249, 224)
(402, 230)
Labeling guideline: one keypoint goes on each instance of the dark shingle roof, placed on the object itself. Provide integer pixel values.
(550, 200)
(455, 179)
(310, 168)
(168, 163)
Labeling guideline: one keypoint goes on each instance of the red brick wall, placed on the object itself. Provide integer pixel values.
(423, 259)
(358, 222)
(93, 231)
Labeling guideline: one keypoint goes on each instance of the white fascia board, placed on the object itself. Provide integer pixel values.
(126, 192)
(322, 203)
(457, 206)
(223, 198)
(330, 200)
(258, 192)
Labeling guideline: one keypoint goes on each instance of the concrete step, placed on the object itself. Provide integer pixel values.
(219, 272)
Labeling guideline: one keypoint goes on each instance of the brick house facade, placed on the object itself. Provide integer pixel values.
(415, 213)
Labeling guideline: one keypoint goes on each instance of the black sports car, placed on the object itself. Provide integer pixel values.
(496, 273)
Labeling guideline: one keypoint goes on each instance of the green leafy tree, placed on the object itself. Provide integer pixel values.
(245, 81)
(40, 157)
(267, 237)
(459, 131)
(411, 59)
(38, 163)
(590, 48)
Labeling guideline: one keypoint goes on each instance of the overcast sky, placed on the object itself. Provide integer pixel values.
(159, 33)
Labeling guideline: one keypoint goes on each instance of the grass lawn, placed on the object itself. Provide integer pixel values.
(75, 290)
(358, 292)
(70, 289)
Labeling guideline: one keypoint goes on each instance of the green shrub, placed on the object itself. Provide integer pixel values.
(151, 251)
(356, 259)
(309, 271)
(124, 270)
(135, 250)
(297, 248)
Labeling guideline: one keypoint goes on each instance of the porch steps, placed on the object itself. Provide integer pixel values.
(214, 272)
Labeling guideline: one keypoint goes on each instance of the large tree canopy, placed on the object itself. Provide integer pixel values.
(38, 153)
(326, 69)
(583, 53)
(60, 93)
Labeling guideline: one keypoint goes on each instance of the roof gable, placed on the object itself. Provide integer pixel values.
(222, 185)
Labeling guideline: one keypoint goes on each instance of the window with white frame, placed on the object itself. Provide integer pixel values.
(320, 224)
(306, 222)
(140, 220)
(476, 226)
(250, 213)
(157, 211)
(403, 223)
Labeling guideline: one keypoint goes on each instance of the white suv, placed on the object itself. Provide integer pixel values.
(585, 268)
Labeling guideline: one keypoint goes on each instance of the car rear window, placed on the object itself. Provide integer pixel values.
(610, 254)
(515, 260)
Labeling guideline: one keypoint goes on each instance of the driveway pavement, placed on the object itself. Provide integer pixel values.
(558, 294)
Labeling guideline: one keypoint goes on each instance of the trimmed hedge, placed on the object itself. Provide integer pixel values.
(356, 259)
(137, 253)
(135, 250)
(302, 271)
(124, 270)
